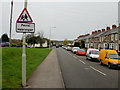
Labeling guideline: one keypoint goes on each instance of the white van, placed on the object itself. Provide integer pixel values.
(92, 54)
(74, 49)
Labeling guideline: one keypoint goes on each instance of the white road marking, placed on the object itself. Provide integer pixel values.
(70, 54)
(82, 61)
(98, 71)
(75, 57)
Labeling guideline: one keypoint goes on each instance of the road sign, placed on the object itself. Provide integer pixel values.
(25, 27)
(24, 17)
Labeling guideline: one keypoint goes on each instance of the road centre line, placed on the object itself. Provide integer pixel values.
(75, 57)
(82, 61)
(70, 54)
(98, 71)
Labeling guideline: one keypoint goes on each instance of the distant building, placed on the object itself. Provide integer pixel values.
(106, 38)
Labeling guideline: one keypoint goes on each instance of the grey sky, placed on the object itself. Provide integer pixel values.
(70, 18)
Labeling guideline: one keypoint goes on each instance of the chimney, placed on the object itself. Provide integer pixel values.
(80, 36)
(93, 32)
(103, 30)
(114, 26)
(87, 34)
(107, 28)
(99, 31)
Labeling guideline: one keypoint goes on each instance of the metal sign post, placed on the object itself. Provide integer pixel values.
(24, 25)
(24, 56)
(24, 61)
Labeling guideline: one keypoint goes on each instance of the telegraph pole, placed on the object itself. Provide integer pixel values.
(24, 55)
(11, 22)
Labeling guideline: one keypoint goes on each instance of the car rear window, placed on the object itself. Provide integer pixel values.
(82, 50)
(95, 52)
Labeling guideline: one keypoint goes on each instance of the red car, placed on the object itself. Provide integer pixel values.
(81, 52)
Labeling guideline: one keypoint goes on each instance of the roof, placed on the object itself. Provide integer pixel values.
(108, 32)
(100, 34)
(84, 37)
(112, 31)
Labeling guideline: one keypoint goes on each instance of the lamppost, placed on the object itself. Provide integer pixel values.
(50, 36)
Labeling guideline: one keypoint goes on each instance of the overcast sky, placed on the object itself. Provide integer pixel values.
(70, 17)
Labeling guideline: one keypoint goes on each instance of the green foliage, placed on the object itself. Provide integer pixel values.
(31, 39)
(12, 64)
(35, 39)
(5, 38)
(65, 42)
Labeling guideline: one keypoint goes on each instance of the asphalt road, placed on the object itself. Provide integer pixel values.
(81, 73)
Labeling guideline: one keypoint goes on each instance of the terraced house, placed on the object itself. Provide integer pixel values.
(102, 39)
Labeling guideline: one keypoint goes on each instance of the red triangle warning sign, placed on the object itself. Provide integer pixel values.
(24, 17)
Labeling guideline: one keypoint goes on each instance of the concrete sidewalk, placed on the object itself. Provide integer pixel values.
(47, 74)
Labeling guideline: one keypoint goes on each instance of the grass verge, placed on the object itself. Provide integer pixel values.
(12, 64)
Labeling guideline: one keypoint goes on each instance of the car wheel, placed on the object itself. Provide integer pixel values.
(101, 62)
(109, 66)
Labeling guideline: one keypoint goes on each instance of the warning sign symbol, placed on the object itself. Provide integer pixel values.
(24, 16)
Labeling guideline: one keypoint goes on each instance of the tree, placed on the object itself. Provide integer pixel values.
(40, 38)
(5, 38)
(36, 38)
(31, 39)
(65, 42)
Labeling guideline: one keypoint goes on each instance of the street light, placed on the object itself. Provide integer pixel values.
(50, 36)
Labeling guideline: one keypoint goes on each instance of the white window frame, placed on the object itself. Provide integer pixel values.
(116, 37)
(112, 37)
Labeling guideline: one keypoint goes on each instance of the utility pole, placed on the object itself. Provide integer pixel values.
(24, 55)
(11, 22)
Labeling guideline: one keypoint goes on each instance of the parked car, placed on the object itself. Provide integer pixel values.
(109, 57)
(4, 44)
(69, 48)
(75, 49)
(81, 52)
(92, 54)
(57, 46)
(64, 47)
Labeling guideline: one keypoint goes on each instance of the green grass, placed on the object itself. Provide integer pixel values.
(12, 64)
(0, 67)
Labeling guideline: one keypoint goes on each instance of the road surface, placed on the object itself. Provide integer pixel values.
(78, 72)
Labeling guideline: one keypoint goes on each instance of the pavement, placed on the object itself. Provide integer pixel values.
(47, 74)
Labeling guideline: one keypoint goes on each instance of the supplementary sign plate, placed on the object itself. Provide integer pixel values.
(25, 27)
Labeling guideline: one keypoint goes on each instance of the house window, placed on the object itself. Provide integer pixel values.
(116, 36)
(116, 46)
(112, 37)
(99, 39)
(102, 39)
(105, 45)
